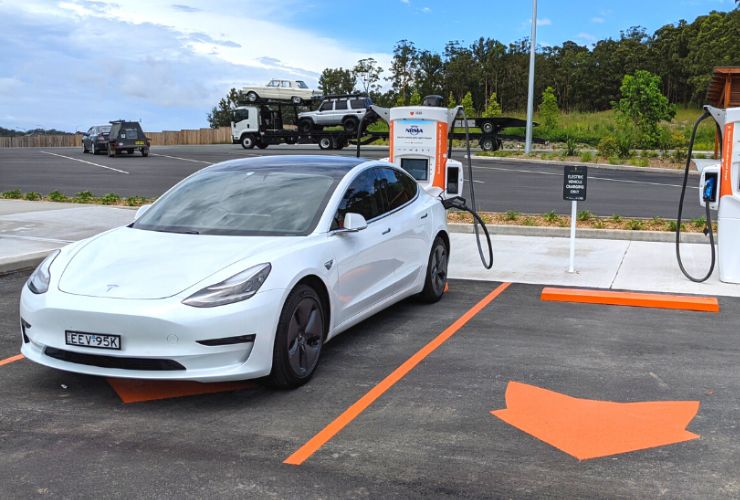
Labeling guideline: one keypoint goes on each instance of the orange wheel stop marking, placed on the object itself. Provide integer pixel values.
(608, 297)
(136, 391)
(11, 359)
(586, 428)
(339, 423)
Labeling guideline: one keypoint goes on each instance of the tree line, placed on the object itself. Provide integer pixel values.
(583, 78)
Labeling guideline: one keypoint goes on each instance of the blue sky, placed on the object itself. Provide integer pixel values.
(74, 63)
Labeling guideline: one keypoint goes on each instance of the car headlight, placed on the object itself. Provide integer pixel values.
(239, 287)
(38, 282)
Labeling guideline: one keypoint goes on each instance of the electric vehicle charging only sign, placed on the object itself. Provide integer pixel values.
(574, 182)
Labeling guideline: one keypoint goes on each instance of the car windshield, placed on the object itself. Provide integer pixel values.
(259, 202)
(104, 129)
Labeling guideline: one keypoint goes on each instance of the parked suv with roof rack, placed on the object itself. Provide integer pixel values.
(127, 137)
(346, 111)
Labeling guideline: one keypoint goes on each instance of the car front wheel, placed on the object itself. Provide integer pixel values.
(247, 141)
(299, 338)
(436, 277)
(252, 96)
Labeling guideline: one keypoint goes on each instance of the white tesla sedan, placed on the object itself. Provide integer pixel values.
(242, 270)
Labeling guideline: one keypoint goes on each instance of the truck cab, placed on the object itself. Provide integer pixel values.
(244, 125)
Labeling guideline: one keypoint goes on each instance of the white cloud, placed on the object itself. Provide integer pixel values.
(598, 20)
(544, 21)
(406, 1)
(168, 63)
(426, 10)
(588, 37)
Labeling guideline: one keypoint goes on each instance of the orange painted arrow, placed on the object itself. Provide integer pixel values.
(586, 428)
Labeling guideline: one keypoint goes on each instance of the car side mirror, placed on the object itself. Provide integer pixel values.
(353, 222)
(142, 209)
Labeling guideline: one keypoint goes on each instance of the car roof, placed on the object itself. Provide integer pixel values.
(334, 166)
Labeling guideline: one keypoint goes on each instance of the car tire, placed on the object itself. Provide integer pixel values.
(84, 148)
(144, 152)
(487, 144)
(487, 128)
(305, 125)
(326, 143)
(299, 338)
(350, 124)
(436, 275)
(291, 139)
(252, 96)
(111, 151)
(296, 100)
(247, 141)
(93, 151)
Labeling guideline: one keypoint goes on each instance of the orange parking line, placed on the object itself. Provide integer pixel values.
(11, 359)
(339, 423)
(654, 300)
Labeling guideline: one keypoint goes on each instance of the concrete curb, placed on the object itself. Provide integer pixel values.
(604, 166)
(23, 262)
(593, 234)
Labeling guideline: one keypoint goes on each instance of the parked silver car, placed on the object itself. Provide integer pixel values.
(346, 111)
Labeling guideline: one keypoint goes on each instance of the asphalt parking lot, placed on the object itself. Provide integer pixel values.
(430, 433)
(521, 186)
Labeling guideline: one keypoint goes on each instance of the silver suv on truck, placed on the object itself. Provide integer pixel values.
(346, 111)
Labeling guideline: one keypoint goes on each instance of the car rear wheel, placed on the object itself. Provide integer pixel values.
(252, 96)
(299, 338)
(296, 99)
(326, 143)
(487, 127)
(111, 151)
(350, 124)
(487, 144)
(144, 152)
(436, 278)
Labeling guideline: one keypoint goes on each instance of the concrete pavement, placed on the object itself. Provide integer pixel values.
(29, 230)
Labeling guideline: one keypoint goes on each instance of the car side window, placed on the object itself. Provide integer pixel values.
(341, 105)
(400, 188)
(326, 106)
(358, 104)
(364, 196)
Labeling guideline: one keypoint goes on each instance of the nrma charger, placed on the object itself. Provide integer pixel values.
(420, 144)
(719, 190)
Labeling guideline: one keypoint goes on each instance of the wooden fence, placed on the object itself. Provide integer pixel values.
(221, 135)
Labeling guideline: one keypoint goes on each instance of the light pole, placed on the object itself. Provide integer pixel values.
(530, 97)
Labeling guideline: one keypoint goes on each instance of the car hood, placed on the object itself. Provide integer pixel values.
(129, 263)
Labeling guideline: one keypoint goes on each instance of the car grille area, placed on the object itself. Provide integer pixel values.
(123, 363)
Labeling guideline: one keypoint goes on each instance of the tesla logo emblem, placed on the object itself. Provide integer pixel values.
(414, 130)
(111, 287)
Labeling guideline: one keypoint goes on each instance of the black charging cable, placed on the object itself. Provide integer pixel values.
(708, 230)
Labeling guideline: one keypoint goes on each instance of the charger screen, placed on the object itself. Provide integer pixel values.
(418, 168)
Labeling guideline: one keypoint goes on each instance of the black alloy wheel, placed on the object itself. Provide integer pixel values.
(436, 278)
(299, 338)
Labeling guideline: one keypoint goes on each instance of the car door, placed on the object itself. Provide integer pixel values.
(323, 117)
(407, 219)
(340, 110)
(366, 260)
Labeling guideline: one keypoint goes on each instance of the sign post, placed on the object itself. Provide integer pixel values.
(575, 178)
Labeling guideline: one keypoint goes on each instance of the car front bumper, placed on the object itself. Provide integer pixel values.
(155, 334)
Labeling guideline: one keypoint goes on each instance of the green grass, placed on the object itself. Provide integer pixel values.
(589, 128)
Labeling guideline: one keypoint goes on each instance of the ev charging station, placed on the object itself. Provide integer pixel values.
(719, 190)
(419, 138)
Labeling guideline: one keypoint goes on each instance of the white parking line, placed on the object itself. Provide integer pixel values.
(608, 179)
(183, 159)
(34, 238)
(88, 162)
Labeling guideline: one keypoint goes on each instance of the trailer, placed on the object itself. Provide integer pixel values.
(261, 123)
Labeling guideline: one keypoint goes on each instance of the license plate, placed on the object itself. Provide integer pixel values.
(139, 143)
(98, 340)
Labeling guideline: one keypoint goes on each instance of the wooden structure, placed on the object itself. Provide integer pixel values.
(724, 92)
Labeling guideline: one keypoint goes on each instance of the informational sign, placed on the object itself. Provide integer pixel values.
(575, 178)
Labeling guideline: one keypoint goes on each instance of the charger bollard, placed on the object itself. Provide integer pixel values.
(575, 178)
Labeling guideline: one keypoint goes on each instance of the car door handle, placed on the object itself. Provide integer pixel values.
(424, 216)
(386, 231)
